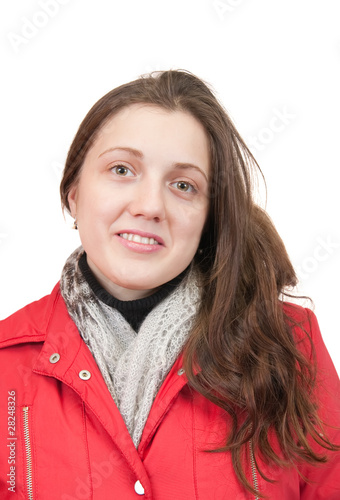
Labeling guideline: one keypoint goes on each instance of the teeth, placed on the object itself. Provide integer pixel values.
(139, 239)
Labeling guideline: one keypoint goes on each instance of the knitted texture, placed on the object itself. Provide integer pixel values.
(132, 365)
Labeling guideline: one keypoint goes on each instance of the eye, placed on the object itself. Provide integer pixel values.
(184, 186)
(122, 171)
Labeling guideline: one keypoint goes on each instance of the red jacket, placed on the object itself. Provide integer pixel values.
(62, 436)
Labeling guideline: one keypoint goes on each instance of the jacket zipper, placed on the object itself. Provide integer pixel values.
(28, 451)
(253, 470)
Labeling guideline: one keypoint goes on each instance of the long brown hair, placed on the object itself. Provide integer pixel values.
(242, 344)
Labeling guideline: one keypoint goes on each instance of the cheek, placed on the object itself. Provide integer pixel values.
(96, 204)
(190, 227)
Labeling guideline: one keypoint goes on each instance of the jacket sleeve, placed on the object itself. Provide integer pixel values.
(323, 481)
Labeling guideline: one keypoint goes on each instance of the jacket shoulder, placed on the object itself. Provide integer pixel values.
(301, 318)
(29, 324)
(296, 312)
(307, 332)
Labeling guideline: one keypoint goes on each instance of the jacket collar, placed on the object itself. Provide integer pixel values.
(30, 323)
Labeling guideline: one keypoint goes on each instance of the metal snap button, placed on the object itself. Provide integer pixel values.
(84, 375)
(54, 358)
(139, 488)
(181, 371)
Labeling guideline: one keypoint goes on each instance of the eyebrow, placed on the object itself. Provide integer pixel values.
(139, 154)
(133, 151)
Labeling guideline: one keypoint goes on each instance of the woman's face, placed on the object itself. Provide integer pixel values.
(142, 199)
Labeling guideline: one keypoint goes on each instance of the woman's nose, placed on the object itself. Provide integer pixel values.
(148, 201)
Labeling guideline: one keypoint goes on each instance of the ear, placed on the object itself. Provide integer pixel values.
(72, 200)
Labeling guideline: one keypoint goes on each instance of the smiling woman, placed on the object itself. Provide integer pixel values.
(155, 186)
(171, 363)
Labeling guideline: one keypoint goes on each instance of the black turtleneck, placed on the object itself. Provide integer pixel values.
(134, 311)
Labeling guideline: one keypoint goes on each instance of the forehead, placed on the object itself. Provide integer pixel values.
(139, 123)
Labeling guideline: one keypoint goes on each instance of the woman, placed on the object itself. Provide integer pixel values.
(165, 363)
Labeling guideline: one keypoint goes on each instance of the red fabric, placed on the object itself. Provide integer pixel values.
(79, 443)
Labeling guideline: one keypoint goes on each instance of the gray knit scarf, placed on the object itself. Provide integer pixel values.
(133, 365)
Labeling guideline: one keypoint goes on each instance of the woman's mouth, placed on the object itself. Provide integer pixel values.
(140, 241)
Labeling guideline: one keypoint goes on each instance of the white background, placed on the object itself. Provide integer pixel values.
(265, 59)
